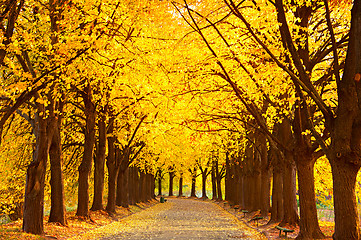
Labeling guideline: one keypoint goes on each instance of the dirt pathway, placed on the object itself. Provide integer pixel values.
(177, 219)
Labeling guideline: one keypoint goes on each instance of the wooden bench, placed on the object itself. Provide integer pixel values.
(285, 230)
(256, 219)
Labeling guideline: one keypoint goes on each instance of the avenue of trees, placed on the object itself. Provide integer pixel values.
(102, 100)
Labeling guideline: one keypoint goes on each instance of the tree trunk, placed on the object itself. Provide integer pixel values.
(265, 195)
(159, 185)
(265, 191)
(56, 109)
(344, 153)
(99, 162)
(85, 166)
(289, 193)
(35, 181)
(277, 212)
(125, 185)
(112, 186)
(309, 227)
(150, 190)
(171, 177)
(57, 211)
(193, 188)
(219, 186)
(180, 194)
(113, 171)
(227, 180)
(153, 186)
(256, 192)
(346, 214)
(136, 185)
(204, 183)
(143, 187)
(214, 181)
(237, 184)
(248, 191)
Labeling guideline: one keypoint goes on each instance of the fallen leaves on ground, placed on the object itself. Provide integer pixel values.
(75, 227)
(269, 229)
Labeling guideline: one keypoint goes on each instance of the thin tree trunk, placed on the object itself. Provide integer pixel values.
(171, 177)
(260, 154)
(55, 108)
(277, 211)
(153, 186)
(265, 182)
(159, 185)
(113, 170)
(219, 181)
(214, 181)
(227, 178)
(57, 211)
(180, 193)
(237, 184)
(99, 162)
(204, 183)
(193, 188)
(242, 193)
(85, 166)
(150, 190)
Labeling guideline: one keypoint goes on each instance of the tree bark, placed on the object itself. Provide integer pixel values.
(289, 193)
(57, 211)
(265, 195)
(214, 181)
(228, 180)
(277, 211)
(135, 189)
(171, 178)
(204, 183)
(153, 186)
(180, 193)
(125, 185)
(193, 188)
(345, 205)
(309, 227)
(55, 108)
(159, 185)
(99, 162)
(238, 188)
(113, 170)
(219, 181)
(143, 187)
(344, 153)
(150, 190)
(85, 166)
(35, 181)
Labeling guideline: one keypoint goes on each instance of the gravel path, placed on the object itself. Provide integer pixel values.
(179, 219)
